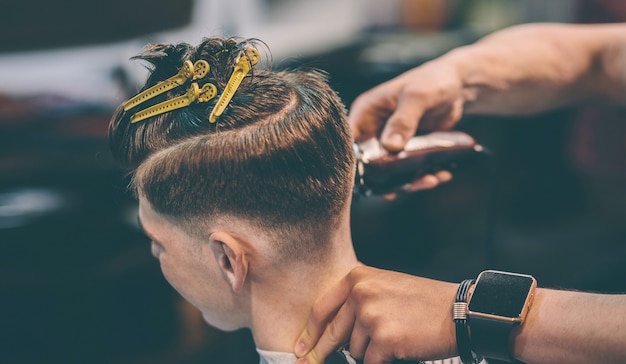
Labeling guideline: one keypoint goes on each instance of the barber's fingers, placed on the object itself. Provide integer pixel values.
(334, 337)
(377, 354)
(403, 123)
(359, 340)
(369, 112)
(322, 311)
(425, 182)
(428, 181)
(371, 342)
(444, 117)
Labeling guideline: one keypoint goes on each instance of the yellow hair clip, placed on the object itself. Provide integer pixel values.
(243, 65)
(188, 71)
(194, 93)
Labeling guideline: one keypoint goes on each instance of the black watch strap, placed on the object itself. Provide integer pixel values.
(459, 314)
(490, 338)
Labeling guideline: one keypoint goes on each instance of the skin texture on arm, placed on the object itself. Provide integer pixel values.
(519, 70)
(394, 315)
(533, 68)
(573, 327)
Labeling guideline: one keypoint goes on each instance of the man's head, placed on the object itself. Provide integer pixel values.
(278, 159)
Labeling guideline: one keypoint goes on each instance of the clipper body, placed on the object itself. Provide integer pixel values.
(380, 171)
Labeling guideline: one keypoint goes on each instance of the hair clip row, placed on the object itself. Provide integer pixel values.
(189, 71)
(193, 71)
(194, 93)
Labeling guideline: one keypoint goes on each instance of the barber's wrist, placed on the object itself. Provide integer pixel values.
(524, 336)
(468, 67)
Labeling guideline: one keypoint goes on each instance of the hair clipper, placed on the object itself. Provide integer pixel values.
(380, 171)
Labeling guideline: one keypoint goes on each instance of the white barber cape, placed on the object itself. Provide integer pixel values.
(275, 357)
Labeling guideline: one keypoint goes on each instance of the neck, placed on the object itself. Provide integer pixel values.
(281, 305)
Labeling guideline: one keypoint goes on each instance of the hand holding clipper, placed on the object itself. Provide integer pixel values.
(380, 171)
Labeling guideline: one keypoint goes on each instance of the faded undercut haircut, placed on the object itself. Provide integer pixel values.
(280, 156)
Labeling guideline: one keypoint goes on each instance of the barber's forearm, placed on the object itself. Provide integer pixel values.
(537, 67)
(573, 327)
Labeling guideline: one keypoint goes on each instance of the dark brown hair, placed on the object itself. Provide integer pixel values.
(279, 156)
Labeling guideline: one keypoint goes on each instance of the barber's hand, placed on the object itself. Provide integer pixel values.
(383, 315)
(430, 97)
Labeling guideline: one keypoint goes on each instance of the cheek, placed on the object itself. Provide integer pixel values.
(176, 273)
(192, 281)
(205, 289)
(170, 274)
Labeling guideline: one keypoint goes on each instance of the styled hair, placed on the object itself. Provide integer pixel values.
(280, 156)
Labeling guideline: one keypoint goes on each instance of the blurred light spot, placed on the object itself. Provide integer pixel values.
(20, 207)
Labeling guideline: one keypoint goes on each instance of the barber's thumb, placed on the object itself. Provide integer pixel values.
(310, 359)
(398, 130)
(393, 140)
(304, 344)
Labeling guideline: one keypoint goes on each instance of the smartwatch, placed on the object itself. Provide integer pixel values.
(500, 301)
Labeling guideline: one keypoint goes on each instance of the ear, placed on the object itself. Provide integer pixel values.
(230, 257)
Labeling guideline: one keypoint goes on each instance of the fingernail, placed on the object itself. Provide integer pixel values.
(396, 140)
(408, 187)
(300, 350)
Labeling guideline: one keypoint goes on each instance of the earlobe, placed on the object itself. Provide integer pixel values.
(230, 258)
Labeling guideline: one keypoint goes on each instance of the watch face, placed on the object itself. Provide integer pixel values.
(501, 294)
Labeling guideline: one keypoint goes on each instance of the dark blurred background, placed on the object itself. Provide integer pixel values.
(77, 281)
